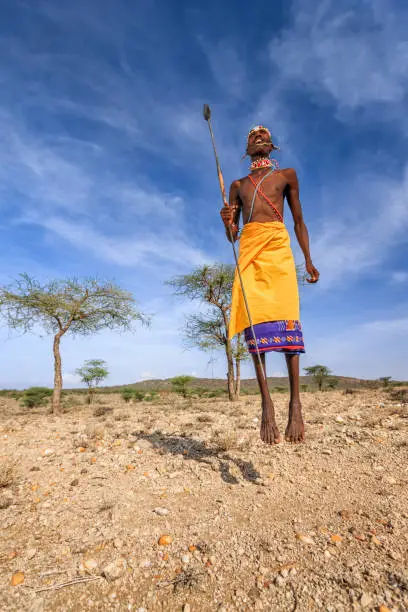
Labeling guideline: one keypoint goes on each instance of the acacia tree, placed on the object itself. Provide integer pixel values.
(212, 285)
(80, 307)
(332, 382)
(179, 384)
(92, 373)
(385, 381)
(319, 373)
(208, 332)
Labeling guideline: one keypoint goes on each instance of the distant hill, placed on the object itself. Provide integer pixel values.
(247, 384)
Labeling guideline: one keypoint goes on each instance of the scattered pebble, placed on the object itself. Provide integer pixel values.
(336, 539)
(366, 600)
(304, 538)
(115, 569)
(90, 565)
(280, 581)
(165, 540)
(30, 553)
(17, 578)
(161, 511)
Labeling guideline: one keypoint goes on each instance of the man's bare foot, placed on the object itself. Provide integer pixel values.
(295, 430)
(269, 429)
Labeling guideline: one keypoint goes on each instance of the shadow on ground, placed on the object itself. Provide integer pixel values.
(195, 450)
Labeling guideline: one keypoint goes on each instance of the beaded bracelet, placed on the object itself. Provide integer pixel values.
(234, 228)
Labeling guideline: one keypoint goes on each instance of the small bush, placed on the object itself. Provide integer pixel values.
(130, 394)
(127, 394)
(400, 396)
(139, 396)
(216, 393)
(35, 396)
(13, 393)
(150, 397)
(280, 389)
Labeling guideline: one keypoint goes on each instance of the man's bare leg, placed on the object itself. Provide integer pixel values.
(295, 431)
(269, 429)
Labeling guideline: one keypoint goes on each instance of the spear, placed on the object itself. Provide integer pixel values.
(207, 117)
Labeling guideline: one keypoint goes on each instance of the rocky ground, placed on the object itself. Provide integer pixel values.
(177, 505)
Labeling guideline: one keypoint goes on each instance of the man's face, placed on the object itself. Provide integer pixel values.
(259, 143)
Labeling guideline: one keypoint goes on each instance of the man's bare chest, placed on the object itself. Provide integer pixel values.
(273, 187)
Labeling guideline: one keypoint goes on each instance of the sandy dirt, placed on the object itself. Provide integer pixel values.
(86, 496)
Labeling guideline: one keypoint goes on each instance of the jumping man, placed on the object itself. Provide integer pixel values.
(269, 274)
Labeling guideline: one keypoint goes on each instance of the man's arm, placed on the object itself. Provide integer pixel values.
(302, 235)
(230, 214)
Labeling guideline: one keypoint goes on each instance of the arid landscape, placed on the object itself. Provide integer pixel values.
(175, 504)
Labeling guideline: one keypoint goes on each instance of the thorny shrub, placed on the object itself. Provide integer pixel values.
(35, 397)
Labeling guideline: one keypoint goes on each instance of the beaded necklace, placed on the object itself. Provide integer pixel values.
(264, 162)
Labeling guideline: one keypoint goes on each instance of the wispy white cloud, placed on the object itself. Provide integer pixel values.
(346, 245)
(146, 248)
(227, 67)
(357, 53)
(390, 326)
(369, 350)
(70, 190)
(399, 276)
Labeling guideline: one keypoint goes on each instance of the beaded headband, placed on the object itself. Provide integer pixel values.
(257, 128)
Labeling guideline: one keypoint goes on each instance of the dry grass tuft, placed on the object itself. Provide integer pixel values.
(205, 418)
(106, 505)
(122, 416)
(225, 441)
(95, 432)
(5, 502)
(8, 472)
(102, 411)
(188, 579)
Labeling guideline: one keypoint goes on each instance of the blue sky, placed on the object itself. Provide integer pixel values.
(106, 166)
